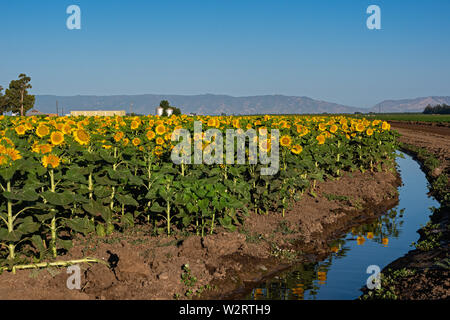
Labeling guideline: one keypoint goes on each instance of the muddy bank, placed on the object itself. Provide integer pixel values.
(180, 266)
(423, 273)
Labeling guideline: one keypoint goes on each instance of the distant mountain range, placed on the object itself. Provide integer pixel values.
(409, 105)
(210, 104)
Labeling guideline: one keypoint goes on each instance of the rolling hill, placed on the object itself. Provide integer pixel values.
(199, 104)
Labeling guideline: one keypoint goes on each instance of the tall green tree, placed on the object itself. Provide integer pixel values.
(17, 97)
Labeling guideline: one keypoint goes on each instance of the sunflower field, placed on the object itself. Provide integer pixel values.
(60, 176)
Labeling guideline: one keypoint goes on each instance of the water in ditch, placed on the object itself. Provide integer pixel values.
(344, 273)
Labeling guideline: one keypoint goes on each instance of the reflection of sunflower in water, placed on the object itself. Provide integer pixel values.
(285, 141)
(297, 149)
(160, 129)
(42, 131)
(385, 241)
(360, 240)
(52, 160)
(81, 136)
(57, 138)
(322, 275)
(335, 249)
(136, 142)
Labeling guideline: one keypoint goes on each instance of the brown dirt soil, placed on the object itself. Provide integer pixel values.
(151, 267)
(433, 138)
(431, 278)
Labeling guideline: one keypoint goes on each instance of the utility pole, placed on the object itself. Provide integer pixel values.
(62, 111)
(131, 108)
(57, 114)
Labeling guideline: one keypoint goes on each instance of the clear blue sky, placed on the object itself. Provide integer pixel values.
(320, 49)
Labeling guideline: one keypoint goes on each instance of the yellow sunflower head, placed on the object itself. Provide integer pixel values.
(81, 136)
(297, 149)
(52, 160)
(57, 138)
(150, 135)
(285, 141)
(42, 131)
(160, 129)
(320, 139)
(134, 124)
(118, 136)
(136, 142)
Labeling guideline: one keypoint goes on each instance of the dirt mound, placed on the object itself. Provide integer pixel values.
(149, 267)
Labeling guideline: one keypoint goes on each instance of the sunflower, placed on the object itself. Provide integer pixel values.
(21, 130)
(335, 249)
(322, 126)
(134, 125)
(67, 128)
(369, 235)
(57, 138)
(333, 128)
(118, 136)
(385, 126)
(297, 149)
(45, 148)
(285, 141)
(159, 141)
(3, 160)
(52, 160)
(136, 142)
(81, 136)
(360, 127)
(13, 154)
(211, 122)
(320, 139)
(369, 132)
(160, 129)
(42, 131)
(158, 150)
(150, 135)
(125, 142)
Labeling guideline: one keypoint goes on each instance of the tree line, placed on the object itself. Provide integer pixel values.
(438, 109)
(16, 98)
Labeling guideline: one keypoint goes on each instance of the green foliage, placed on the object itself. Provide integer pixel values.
(17, 99)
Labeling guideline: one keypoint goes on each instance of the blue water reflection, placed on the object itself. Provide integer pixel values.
(343, 273)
